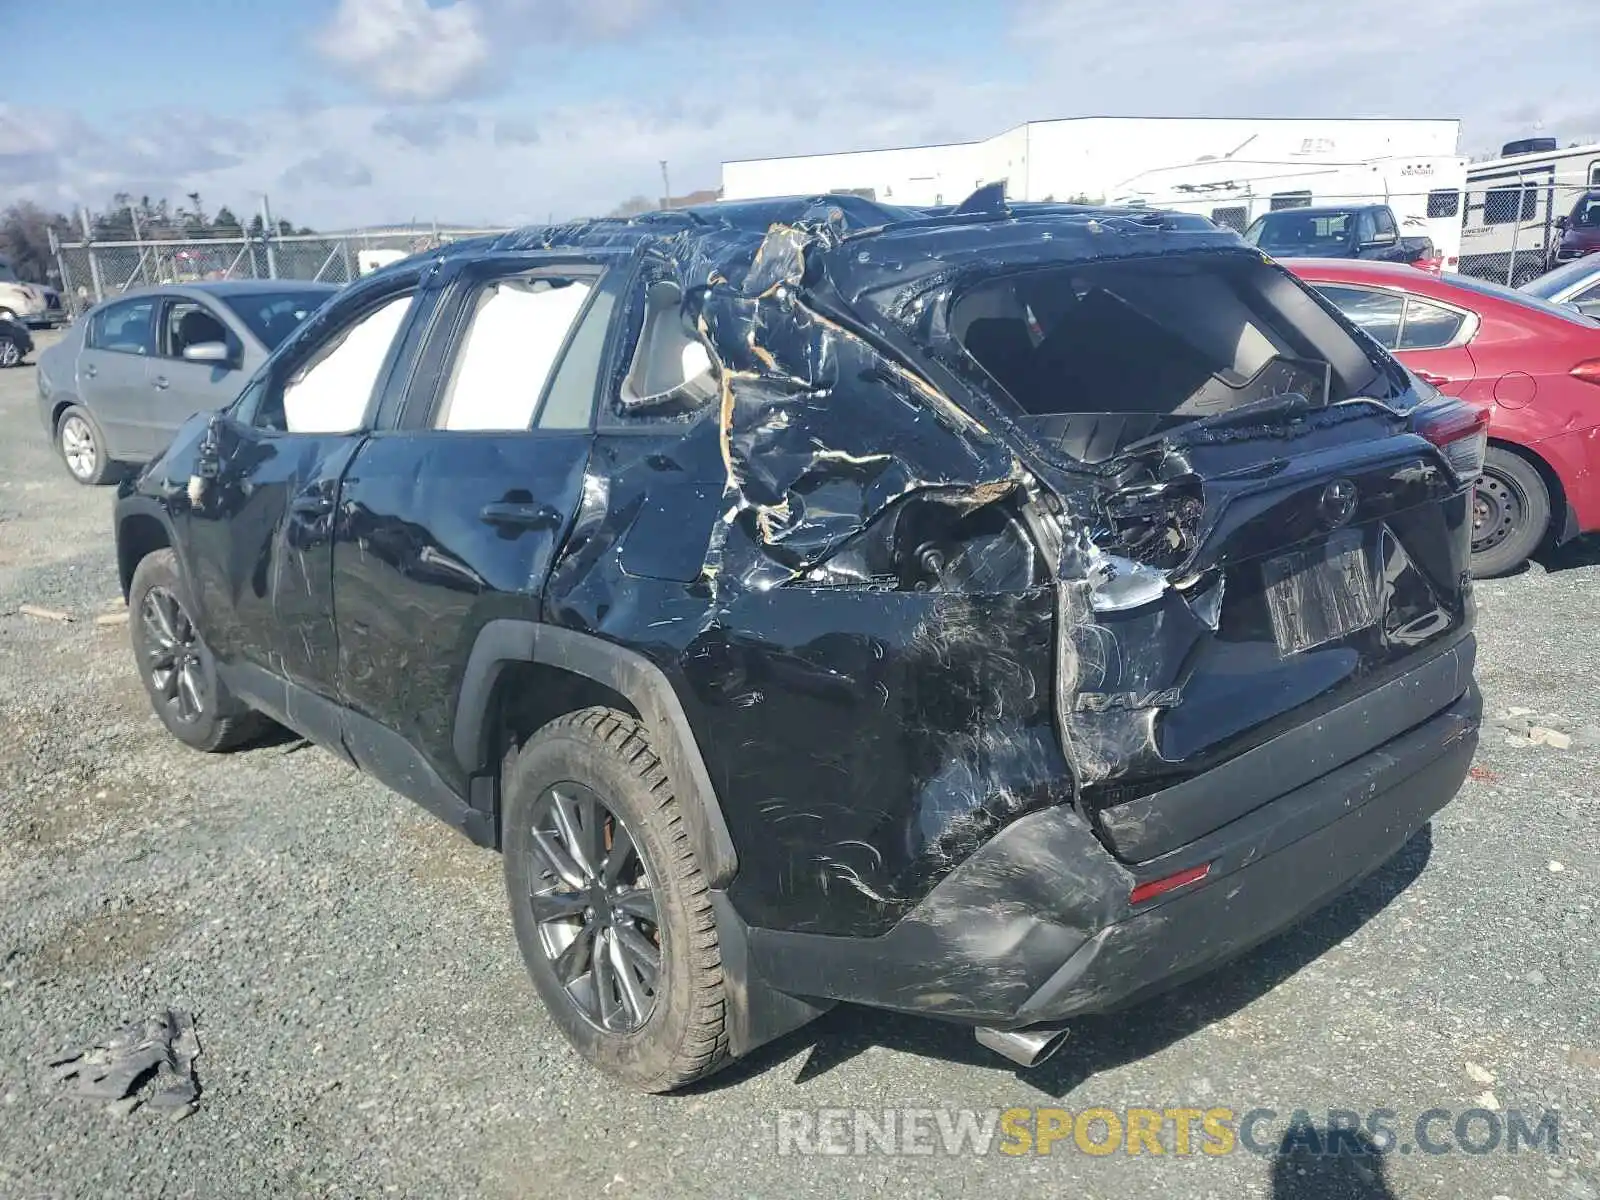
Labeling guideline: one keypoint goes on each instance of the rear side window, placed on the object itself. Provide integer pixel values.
(1428, 326)
(670, 373)
(1376, 314)
(127, 327)
(1385, 223)
(518, 329)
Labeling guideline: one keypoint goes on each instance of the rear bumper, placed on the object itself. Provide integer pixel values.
(1037, 925)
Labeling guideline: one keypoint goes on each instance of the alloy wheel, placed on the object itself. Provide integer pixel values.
(1497, 508)
(595, 908)
(78, 448)
(173, 655)
(10, 353)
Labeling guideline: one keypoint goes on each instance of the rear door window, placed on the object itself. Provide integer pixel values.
(1377, 314)
(127, 327)
(519, 327)
(1428, 326)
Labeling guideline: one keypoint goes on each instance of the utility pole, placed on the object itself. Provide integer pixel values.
(666, 187)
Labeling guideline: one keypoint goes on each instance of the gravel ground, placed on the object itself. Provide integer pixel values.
(368, 1028)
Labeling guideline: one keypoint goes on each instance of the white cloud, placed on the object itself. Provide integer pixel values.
(407, 49)
(411, 50)
(511, 160)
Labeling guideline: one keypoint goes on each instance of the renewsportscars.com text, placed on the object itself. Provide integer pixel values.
(1178, 1131)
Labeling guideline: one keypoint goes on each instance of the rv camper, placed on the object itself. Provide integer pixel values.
(1425, 193)
(1515, 204)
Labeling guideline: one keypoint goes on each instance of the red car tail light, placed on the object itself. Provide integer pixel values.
(1588, 371)
(1431, 265)
(1159, 887)
(1460, 430)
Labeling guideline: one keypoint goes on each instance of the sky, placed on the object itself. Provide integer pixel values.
(356, 112)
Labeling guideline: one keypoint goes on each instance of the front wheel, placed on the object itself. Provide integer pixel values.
(10, 352)
(1510, 513)
(610, 907)
(175, 666)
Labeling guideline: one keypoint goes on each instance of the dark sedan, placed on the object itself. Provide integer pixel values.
(133, 369)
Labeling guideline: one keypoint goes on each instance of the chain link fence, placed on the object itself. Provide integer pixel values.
(94, 271)
(1512, 228)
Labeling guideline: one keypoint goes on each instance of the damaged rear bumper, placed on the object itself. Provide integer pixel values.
(1038, 925)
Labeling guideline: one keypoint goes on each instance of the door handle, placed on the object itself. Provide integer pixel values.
(311, 507)
(1430, 377)
(160, 383)
(91, 370)
(520, 516)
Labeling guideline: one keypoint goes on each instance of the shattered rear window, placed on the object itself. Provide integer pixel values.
(1099, 355)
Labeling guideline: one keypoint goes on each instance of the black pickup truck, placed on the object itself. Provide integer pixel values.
(1338, 231)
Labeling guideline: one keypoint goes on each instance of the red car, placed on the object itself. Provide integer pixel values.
(1534, 364)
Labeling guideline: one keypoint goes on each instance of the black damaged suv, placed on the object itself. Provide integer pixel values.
(994, 614)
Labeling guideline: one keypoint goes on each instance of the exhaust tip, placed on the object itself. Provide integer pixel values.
(1025, 1047)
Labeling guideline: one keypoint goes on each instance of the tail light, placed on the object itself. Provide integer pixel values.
(1160, 887)
(1588, 371)
(1431, 265)
(1460, 430)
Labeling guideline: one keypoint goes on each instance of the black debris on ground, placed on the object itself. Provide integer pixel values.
(145, 1062)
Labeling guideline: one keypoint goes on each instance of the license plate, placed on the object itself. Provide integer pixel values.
(1320, 595)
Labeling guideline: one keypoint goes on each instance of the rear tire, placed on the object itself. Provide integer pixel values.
(11, 354)
(177, 669)
(1510, 511)
(82, 447)
(672, 1029)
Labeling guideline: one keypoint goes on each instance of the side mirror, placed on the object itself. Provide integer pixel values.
(207, 352)
(1561, 224)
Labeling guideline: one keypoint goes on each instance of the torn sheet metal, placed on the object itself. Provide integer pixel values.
(146, 1062)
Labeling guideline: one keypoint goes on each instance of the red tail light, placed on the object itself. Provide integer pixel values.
(1460, 430)
(1159, 887)
(1588, 371)
(1431, 265)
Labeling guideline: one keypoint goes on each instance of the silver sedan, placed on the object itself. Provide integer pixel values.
(132, 369)
(1576, 283)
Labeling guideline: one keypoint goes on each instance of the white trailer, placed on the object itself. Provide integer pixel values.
(1513, 203)
(1424, 192)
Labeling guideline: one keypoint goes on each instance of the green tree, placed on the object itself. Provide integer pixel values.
(225, 224)
(25, 240)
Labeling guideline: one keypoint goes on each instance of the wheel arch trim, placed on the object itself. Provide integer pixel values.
(129, 509)
(641, 682)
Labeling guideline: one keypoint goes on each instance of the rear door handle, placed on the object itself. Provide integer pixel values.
(520, 516)
(1430, 377)
(160, 383)
(311, 507)
(91, 370)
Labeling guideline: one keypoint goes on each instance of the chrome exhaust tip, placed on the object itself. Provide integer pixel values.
(1025, 1047)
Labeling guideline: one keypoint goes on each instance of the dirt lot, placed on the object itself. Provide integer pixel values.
(368, 1029)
